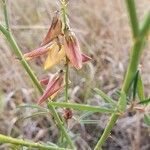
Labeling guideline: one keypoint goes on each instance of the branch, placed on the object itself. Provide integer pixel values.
(7, 139)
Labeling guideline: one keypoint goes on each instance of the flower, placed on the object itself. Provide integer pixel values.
(55, 55)
(54, 31)
(54, 85)
(36, 53)
(72, 49)
(59, 47)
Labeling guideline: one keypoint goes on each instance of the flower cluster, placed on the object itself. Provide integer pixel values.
(59, 45)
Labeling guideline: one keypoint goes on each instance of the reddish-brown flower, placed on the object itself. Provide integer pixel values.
(54, 85)
(54, 31)
(72, 49)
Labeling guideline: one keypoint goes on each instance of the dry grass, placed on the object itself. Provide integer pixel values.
(103, 29)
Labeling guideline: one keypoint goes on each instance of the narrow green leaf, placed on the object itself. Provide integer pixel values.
(105, 96)
(32, 106)
(89, 121)
(85, 115)
(147, 120)
(146, 101)
(123, 102)
(135, 82)
(140, 89)
(37, 114)
(82, 107)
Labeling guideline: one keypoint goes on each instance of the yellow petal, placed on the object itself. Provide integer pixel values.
(53, 96)
(54, 56)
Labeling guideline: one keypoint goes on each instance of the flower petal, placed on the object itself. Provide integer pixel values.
(44, 81)
(85, 58)
(73, 50)
(53, 86)
(36, 53)
(55, 55)
(54, 31)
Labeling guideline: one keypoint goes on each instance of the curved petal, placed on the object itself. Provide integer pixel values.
(85, 58)
(54, 31)
(53, 87)
(36, 53)
(55, 55)
(72, 49)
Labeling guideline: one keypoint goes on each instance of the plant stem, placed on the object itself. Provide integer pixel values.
(65, 28)
(133, 17)
(7, 139)
(33, 77)
(5, 14)
(132, 67)
(64, 14)
(66, 79)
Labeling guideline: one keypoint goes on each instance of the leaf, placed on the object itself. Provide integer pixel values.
(32, 106)
(105, 96)
(146, 101)
(140, 89)
(135, 82)
(89, 121)
(147, 120)
(82, 107)
(85, 115)
(123, 102)
(37, 114)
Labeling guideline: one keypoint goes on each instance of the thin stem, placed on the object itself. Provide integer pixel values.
(132, 67)
(133, 17)
(145, 27)
(64, 14)
(7, 139)
(33, 77)
(65, 28)
(5, 14)
(66, 79)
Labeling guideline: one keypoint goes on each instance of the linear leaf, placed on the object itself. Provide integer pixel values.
(147, 120)
(140, 89)
(146, 101)
(135, 83)
(34, 115)
(89, 121)
(105, 96)
(82, 107)
(32, 106)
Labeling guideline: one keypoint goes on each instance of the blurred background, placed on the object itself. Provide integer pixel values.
(102, 27)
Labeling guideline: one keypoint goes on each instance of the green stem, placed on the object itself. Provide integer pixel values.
(132, 67)
(65, 28)
(64, 14)
(133, 17)
(5, 14)
(7, 139)
(66, 80)
(19, 54)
